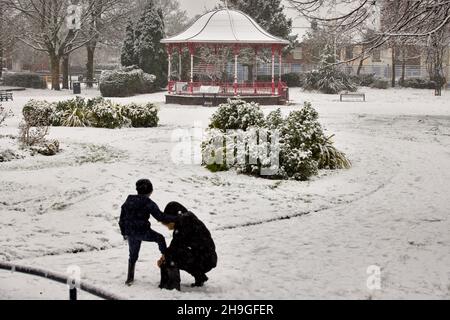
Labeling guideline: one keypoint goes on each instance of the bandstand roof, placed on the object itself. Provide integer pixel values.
(225, 26)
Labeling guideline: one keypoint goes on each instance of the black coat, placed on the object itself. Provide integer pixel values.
(135, 215)
(192, 247)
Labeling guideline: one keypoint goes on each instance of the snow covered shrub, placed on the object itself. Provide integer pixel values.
(142, 116)
(329, 79)
(8, 155)
(418, 83)
(107, 114)
(4, 114)
(48, 148)
(303, 148)
(72, 113)
(38, 113)
(237, 114)
(380, 84)
(25, 80)
(292, 79)
(332, 159)
(364, 80)
(149, 83)
(126, 82)
(274, 120)
(303, 132)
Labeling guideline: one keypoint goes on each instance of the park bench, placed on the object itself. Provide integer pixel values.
(6, 96)
(79, 79)
(353, 95)
(211, 92)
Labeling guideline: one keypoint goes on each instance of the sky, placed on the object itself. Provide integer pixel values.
(194, 7)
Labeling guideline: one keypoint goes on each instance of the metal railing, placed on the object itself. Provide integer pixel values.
(64, 279)
(229, 89)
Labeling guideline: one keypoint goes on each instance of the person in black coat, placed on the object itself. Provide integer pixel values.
(135, 225)
(192, 249)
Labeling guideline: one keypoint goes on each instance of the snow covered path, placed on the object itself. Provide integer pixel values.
(390, 210)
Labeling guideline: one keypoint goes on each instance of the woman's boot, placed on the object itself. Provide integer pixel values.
(130, 278)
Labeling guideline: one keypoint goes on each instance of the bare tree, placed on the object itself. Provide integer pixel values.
(46, 28)
(7, 33)
(416, 19)
(105, 18)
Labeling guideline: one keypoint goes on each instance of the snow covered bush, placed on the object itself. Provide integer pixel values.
(364, 80)
(35, 127)
(72, 113)
(109, 115)
(142, 116)
(126, 82)
(96, 112)
(302, 150)
(380, 84)
(237, 114)
(331, 158)
(329, 79)
(38, 113)
(418, 83)
(4, 114)
(25, 80)
(274, 120)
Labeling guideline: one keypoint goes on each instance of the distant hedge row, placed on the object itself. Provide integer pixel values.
(24, 80)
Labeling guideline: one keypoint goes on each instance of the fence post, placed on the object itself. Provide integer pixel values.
(73, 294)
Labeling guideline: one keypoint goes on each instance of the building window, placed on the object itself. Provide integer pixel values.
(376, 55)
(298, 53)
(349, 53)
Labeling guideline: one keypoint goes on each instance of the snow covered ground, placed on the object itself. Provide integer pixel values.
(390, 210)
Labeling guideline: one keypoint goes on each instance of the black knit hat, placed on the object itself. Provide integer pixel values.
(144, 186)
(175, 208)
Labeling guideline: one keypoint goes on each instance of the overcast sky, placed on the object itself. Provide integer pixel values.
(194, 7)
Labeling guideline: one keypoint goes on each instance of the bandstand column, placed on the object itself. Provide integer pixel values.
(236, 55)
(280, 59)
(273, 69)
(192, 51)
(255, 76)
(169, 69)
(180, 70)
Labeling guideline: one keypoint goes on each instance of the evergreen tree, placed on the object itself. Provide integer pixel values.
(128, 56)
(269, 14)
(151, 54)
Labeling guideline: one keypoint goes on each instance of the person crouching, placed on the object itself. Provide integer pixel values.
(192, 249)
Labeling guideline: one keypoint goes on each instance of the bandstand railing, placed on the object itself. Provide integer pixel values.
(229, 89)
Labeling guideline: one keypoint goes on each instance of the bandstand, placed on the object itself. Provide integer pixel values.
(218, 30)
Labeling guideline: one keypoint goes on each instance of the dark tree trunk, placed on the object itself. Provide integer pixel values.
(250, 68)
(361, 63)
(65, 72)
(1, 42)
(393, 68)
(90, 63)
(55, 66)
(1, 59)
(402, 78)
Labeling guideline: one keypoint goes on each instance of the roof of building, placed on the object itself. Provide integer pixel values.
(225, 26)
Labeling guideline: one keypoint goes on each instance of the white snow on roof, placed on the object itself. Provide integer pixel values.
(225, 26)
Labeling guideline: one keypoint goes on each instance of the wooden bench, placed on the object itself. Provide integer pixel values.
(354, 95)
(209, 91)
(6, 96)
(87, 82)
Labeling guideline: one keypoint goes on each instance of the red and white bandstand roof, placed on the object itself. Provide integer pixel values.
(226, 26)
